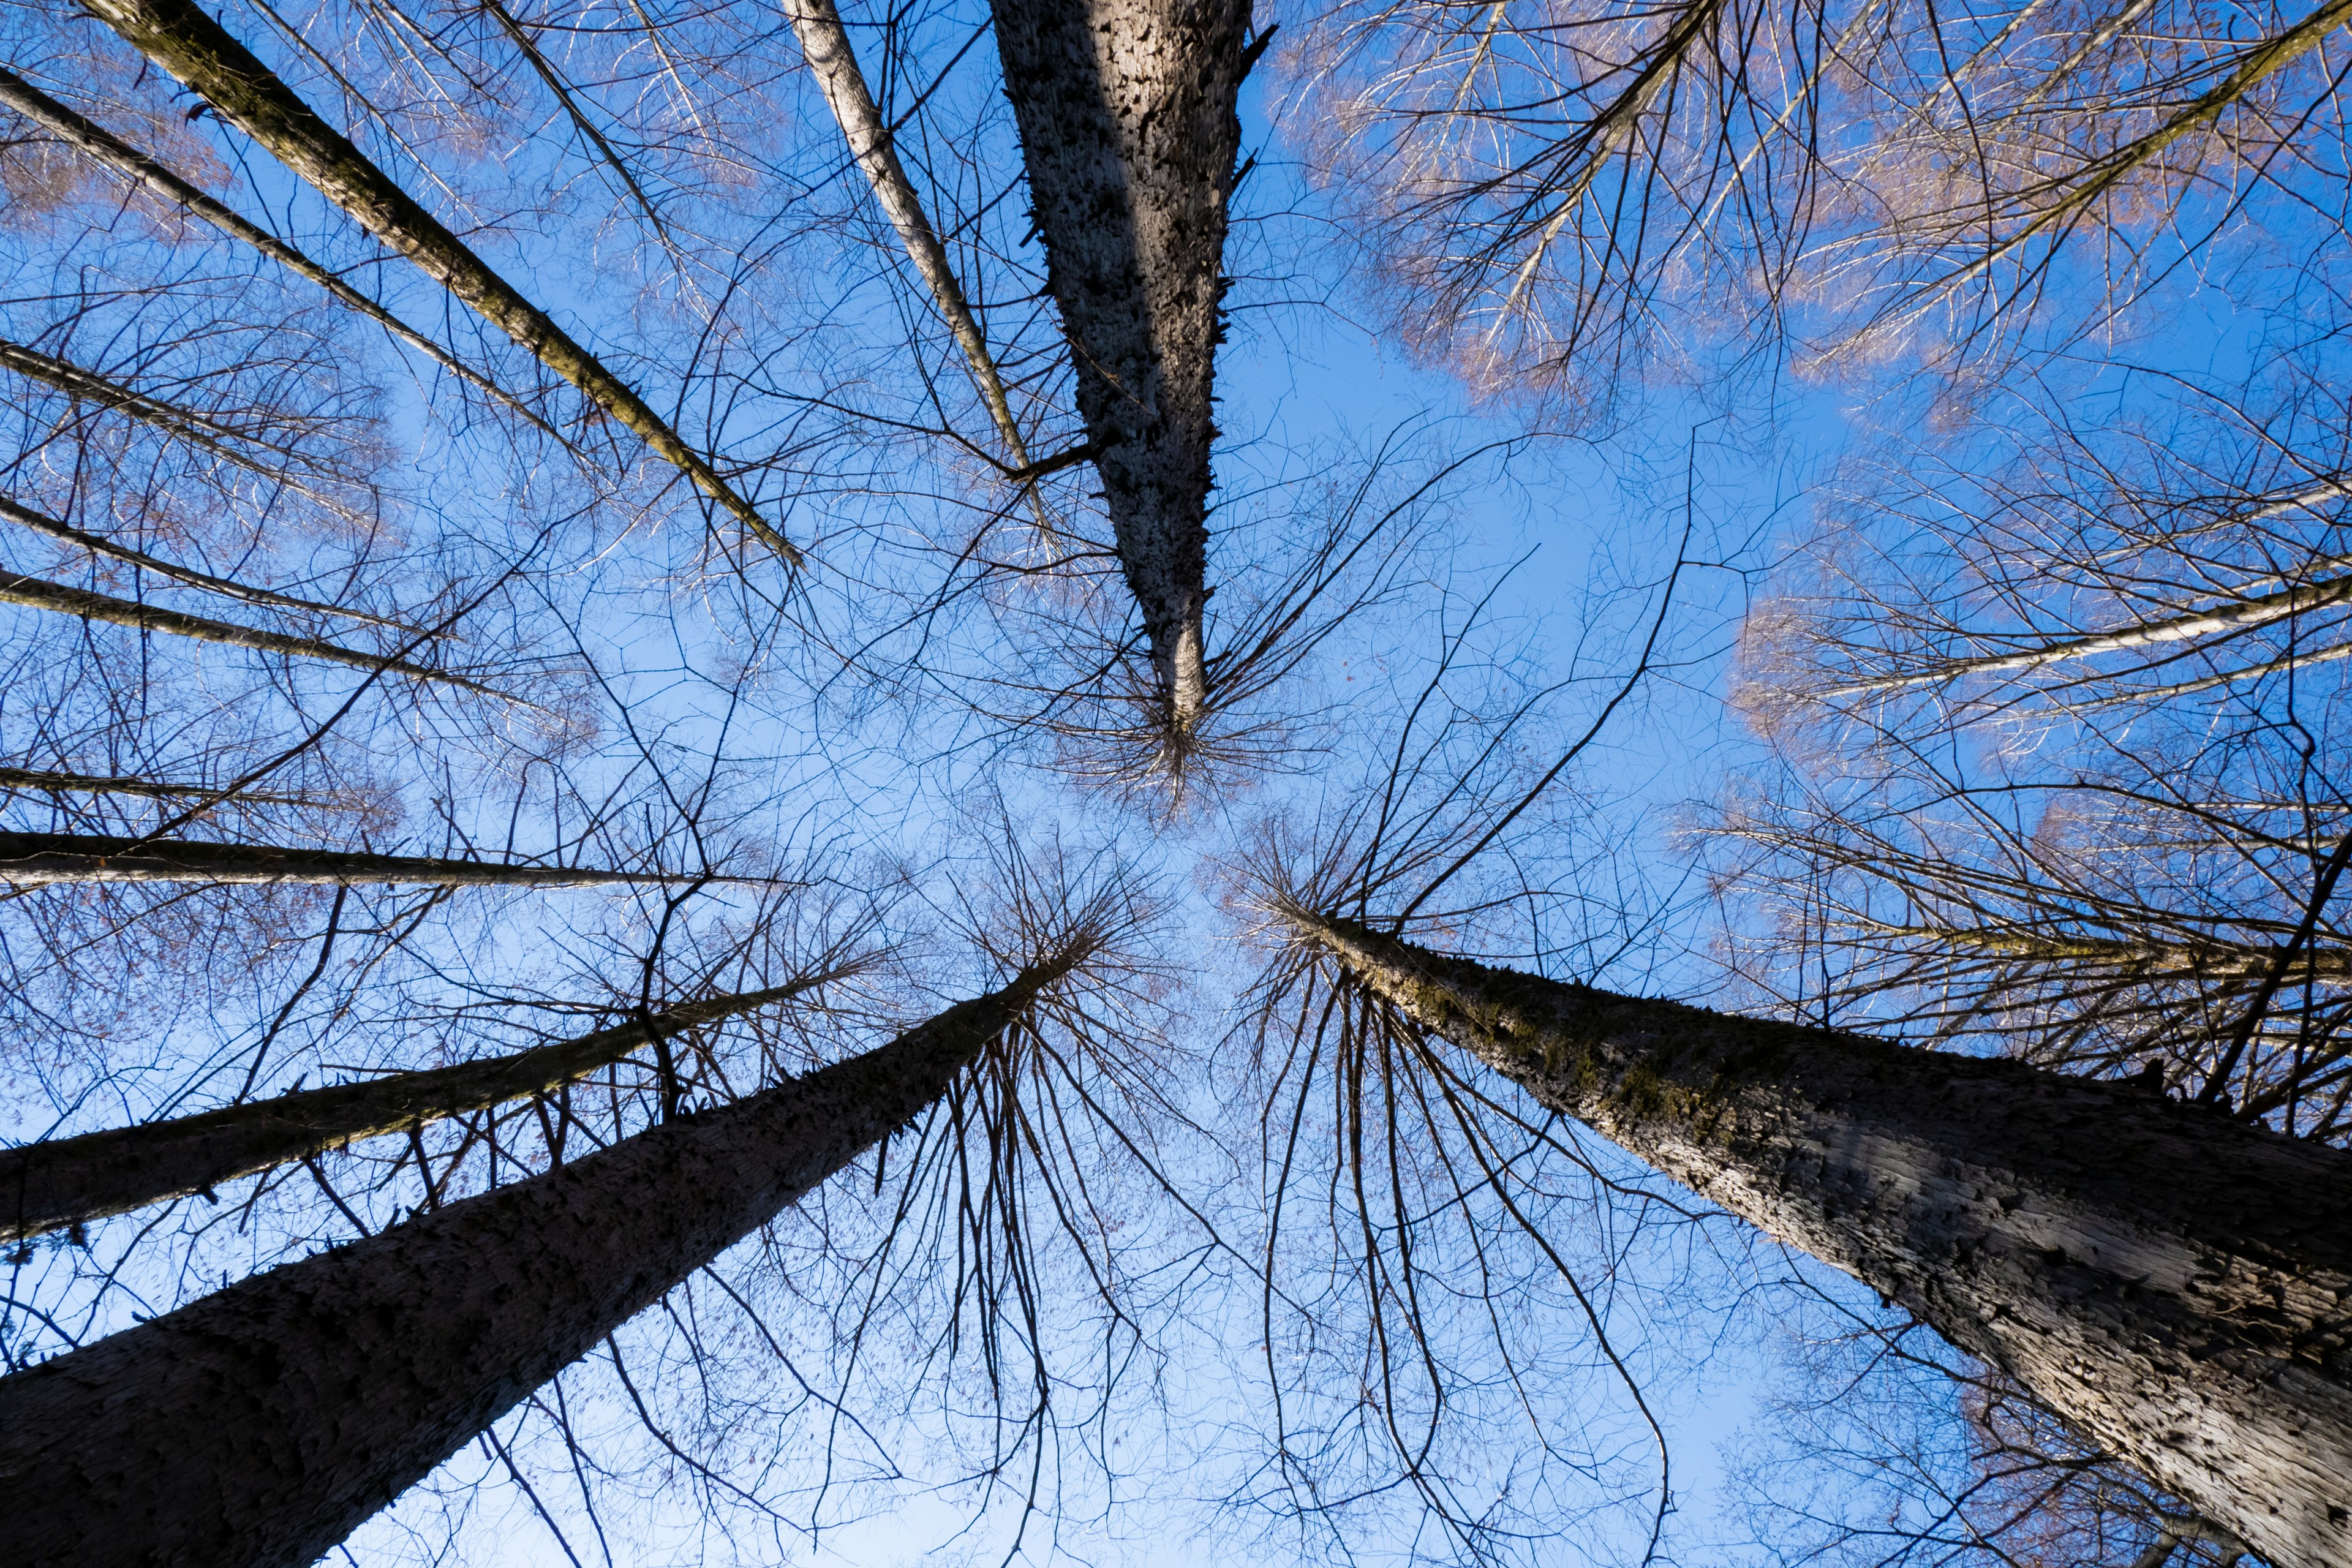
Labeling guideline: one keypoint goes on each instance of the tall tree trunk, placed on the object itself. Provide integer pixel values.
(48, 1186)
(2175, 1283)
(181, 37)
(36, 594)
(41, 523)
(39, 859)
(824, 43)
(55, 781)
(261, 1425)
(1129, 133)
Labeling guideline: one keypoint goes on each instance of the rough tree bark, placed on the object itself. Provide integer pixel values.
(40, 860)
(2177, 1283)
(179, 37)
(48, 1186)
(261, 1425)
(1129, 133)
(36, 594)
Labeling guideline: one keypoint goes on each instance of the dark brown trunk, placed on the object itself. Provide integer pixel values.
(2175, 1283)
(261, 1425)
(35, 593)
(182, 39)
(39, 859)
(52, 780)
(48, 1186)
(1129, 133)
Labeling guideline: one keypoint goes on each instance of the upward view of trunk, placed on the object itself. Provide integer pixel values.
(55, 781)
(2175, 1283)
(36, 594)
(48, 1186)
(824, 43)
(40, 860)
(1129, 133)
(178, 35)
(261, 1425)
(41, 523)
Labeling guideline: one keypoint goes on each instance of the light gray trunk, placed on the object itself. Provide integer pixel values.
(1129, 133)
(182, 39)
(40, 860)
(261, 1425)
(824, 43)
(2177, 1284)
(35, 593)
(48, 1186)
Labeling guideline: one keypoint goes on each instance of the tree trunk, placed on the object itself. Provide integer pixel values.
(40, 860)
(824, 43)
(36, 594)
(48, 1186)
(54, 781)
(261, 1425)
(41, 523)
(1129, 133)
(2177, 1284)
(179, 37)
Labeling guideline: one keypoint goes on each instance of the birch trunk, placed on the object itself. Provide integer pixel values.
(2175, 1283)
(48, 1186)
(1129, 132)
(261, 1425)
(824, 43)
(178, 35)
(41, 859)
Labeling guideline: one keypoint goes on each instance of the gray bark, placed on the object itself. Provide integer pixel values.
(2177, 1284)
(36, 594)
(179, 37)
(106, 148)
(824, 42)
(48, 1186)
(51, 780)
(185, 424)
(41, 523)
(2256, 610)
(261, 1425)
(1129, 133)
(42, 859)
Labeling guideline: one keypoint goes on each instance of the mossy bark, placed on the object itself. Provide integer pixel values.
(2175, 1283)
(261, 1425)
(178, 35)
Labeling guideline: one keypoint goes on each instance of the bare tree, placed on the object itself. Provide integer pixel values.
(2026, 1217)
(507, 1289)
(1130, 136)
(75, 1180)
